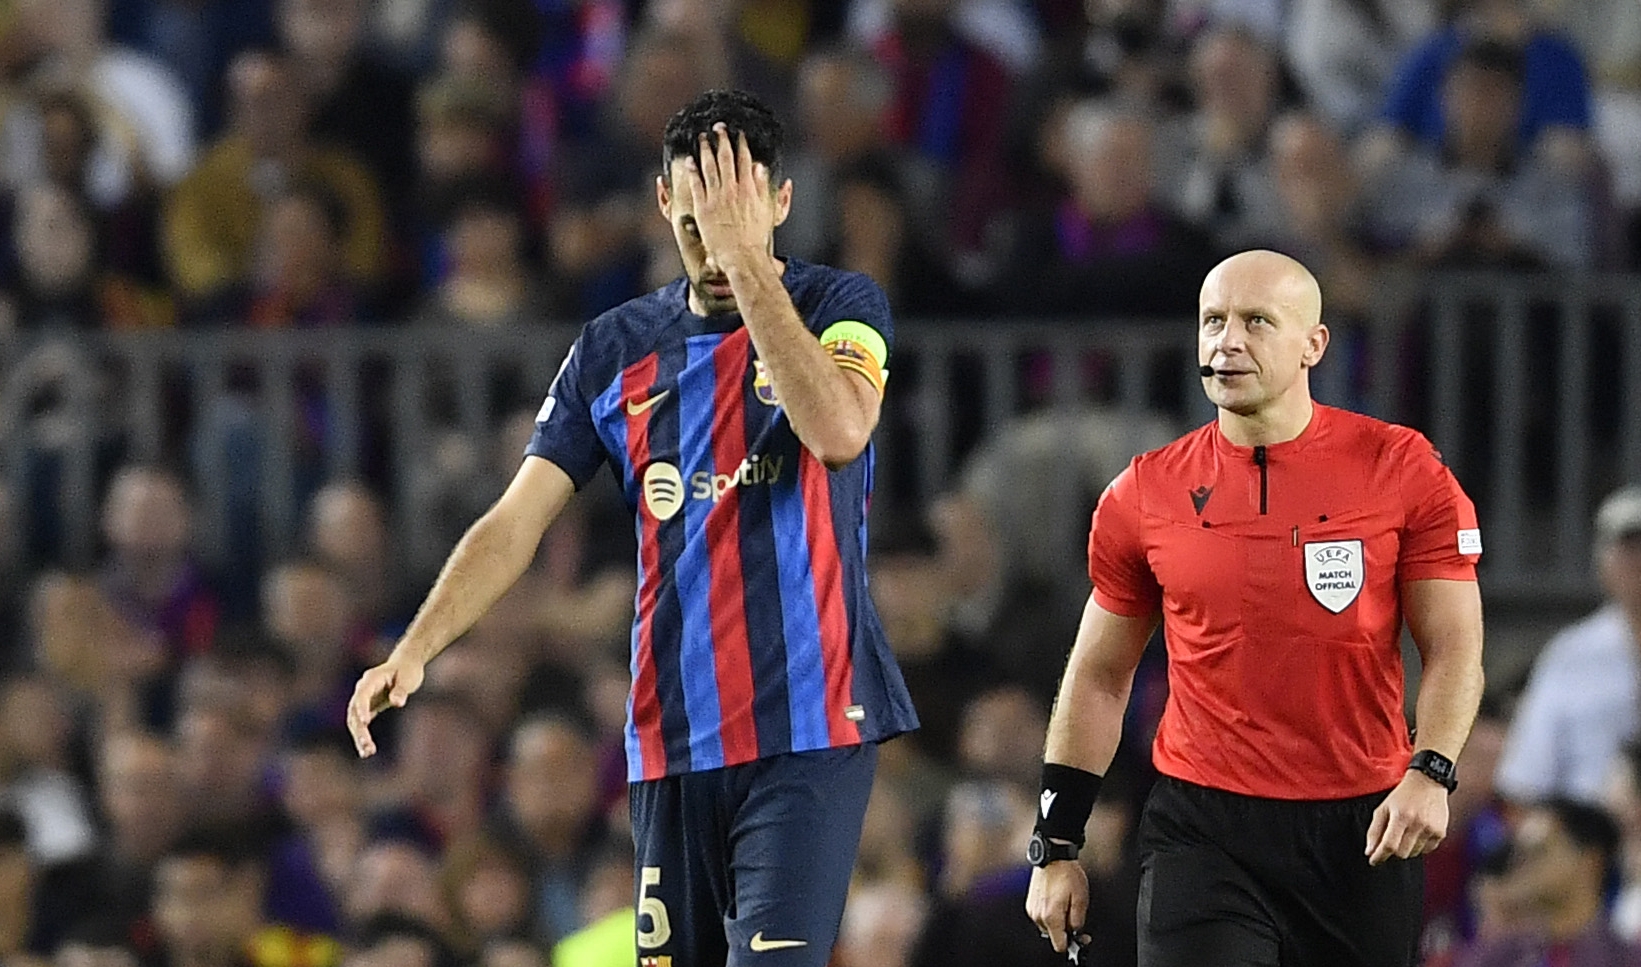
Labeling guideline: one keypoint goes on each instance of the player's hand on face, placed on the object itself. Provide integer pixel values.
(734, 207)
(1058, 901)
(389, 684)
(1411, 821)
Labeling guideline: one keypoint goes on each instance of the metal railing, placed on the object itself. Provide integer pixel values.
(1531, 386)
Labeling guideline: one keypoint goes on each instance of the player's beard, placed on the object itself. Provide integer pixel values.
(712, 304)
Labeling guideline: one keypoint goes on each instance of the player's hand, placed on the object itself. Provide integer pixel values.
(1058, 901)
(389, 684)
(734, 207)
(1411, 821)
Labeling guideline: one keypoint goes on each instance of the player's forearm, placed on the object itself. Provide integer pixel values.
(820, 398)
(488, 560)
(1450, 689)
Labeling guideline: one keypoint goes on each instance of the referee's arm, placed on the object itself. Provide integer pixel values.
(1083, 733)
(1086, 725)
(1445, 619)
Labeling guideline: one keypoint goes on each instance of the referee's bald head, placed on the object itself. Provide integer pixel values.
(1273, 276)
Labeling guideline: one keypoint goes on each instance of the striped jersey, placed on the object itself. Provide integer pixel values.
(754, 634)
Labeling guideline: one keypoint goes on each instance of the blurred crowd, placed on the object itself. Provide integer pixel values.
(176, 788)
(279, 163)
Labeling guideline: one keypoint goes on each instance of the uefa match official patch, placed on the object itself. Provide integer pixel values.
(1470, 541)
(1334, 572)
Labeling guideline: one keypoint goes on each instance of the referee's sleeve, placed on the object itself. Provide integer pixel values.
(1440, 537)
(565, 433)
(1123, 581)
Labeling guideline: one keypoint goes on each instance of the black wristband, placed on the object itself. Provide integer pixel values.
(1067, 799)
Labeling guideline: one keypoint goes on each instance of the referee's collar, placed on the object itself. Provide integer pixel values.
(1319, 416)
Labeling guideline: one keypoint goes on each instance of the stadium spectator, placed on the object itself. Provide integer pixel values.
(442, 779)
(876, 233)
(322, 792)
(95, 941)
(949, 105)
(208, 900)
(487, 887)
(141, 795)
(1478, 198)
(214, 216)
(357, 102)
(396, 875)
(196, 40)
(843, 98)
(145, 128)
(82, 641)
(551, 817)
(1622, 800)
(1006, 31)
(1110, 241)
(17, 892)
(488, 283)
(1608, 33)
(1480, 835)
(35, 771)
(149, 572)
(881, 924)
(1002, 729)
(975, 920)
(222, 757)
(307, 611)
(397, 940)
(461, 137)
(297, 278)
(1581, 702)
(1343, 54)
(1554, 112)
(604, 233)
(1561, 855)
(1221, 180)
(347, 529)
(58, 285)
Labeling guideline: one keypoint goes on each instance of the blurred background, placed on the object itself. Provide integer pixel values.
(283, 282)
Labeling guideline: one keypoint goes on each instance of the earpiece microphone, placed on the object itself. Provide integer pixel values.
(1205, 371)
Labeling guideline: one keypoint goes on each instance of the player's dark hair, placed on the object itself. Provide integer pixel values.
(1494, 57)
(1589, 827)
(741, 113)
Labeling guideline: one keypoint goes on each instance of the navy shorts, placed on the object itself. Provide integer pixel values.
(749, 865)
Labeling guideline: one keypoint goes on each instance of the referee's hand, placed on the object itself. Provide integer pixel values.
(1058, 901)
(1411, 821)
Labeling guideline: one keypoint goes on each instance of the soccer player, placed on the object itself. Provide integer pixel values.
(736, 405)
(1281, 546)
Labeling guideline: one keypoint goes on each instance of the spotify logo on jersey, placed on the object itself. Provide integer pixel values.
(663, 490)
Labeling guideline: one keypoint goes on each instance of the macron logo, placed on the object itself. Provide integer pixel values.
(1047, 800)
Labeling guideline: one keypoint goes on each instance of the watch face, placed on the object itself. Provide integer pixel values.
(1035, 850)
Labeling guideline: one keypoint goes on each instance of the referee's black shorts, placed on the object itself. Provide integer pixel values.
(1234, 881)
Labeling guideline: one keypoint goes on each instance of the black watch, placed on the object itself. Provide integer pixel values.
(1042, 851)
(1437, 766)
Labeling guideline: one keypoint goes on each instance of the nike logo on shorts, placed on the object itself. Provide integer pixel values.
(759, 944)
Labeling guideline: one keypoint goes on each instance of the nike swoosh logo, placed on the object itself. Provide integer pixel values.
(759, 944)
(636, 408)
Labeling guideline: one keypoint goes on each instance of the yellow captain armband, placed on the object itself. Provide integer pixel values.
(859, 348)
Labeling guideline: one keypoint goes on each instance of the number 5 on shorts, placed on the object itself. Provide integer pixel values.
(660, 930)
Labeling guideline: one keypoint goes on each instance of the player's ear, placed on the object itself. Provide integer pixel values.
(1316, 343)
(663, 197)
(783, 201)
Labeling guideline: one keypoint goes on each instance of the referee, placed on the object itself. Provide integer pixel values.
(1281, 546)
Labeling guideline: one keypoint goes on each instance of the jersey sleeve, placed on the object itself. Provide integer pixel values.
(1123, 581)
(565, 433)
(856, 328)
(1440, 537)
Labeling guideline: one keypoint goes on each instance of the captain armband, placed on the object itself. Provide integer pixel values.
(858, 348)
(1066, 801)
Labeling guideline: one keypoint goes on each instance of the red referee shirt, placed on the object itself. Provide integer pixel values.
(1278, 573)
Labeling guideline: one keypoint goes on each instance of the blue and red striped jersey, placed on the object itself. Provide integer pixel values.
(754, 633)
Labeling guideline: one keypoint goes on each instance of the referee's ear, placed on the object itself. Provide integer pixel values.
(1316, 344)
